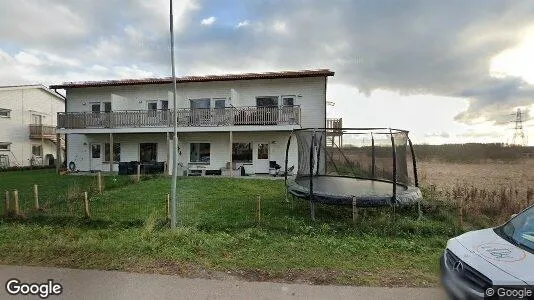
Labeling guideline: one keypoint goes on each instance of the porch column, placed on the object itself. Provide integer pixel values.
(231, 167)
(58, 152)
(111, 152)
(168, 154)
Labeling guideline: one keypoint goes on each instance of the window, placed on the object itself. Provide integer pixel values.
(200, 153)
(164, 104)
(107, 107)
(4, 161)
(220, 103)
(200, 103)
(116, 152)
(95, 107)
(242, 152)
(37, 119)
(152, 105)
(37, 150)
(5, 146)
(148, 152)
(263, 151)
(5, 113)
(266, 101)
(288, 100)
(95, 151)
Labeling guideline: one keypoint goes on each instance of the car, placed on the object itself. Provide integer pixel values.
(492, 262)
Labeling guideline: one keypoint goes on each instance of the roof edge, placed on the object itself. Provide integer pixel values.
(206, 78)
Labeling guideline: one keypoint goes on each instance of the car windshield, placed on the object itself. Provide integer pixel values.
(520, 230)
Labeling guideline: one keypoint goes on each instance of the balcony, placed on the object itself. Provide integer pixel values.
(38, 131)
(186, 117)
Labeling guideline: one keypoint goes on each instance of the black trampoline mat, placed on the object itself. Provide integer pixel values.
(343, 186)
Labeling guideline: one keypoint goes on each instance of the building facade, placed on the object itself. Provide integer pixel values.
(225, 123)
(28, 117)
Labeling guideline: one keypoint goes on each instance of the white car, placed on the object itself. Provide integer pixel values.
(492, 263)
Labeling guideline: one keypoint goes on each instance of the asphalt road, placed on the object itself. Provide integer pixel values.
(92, 284)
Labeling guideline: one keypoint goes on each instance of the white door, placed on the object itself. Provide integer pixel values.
(261, 158)
(96, 157)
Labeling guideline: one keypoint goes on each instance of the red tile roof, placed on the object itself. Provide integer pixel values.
(227, 77)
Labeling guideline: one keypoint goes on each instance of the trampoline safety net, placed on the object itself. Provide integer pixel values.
(374, 165)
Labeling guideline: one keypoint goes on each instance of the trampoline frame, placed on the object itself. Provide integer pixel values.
(385, 131)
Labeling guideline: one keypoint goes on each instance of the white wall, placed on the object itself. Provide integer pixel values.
(23, 102)
(311, 90)
(79, 147)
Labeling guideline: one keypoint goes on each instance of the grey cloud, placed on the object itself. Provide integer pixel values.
(412, 46)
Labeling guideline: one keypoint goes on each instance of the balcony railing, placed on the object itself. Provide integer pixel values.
(186, 117)
(38, 131)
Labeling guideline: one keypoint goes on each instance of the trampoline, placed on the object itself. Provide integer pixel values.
(360, 167)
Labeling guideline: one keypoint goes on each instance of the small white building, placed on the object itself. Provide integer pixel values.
(224, 121)
(27, 125)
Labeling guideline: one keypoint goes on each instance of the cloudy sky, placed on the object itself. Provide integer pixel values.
(449, 71)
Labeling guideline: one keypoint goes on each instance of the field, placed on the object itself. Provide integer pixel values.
(224, 235)
(221, 236)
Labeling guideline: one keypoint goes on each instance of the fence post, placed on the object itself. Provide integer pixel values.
(36, 196)
(86, 202)
(258, 208)
(354, 210)
(99, 179)
(16, 198)
(168, 206)
(6, 208)
(461, 212)
(138, 173)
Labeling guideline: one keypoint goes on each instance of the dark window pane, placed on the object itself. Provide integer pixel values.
(116, 152)
(200, 103)
(263, 151)
(200, 152)
(95, 150)
(107, 106)
(266, 101)
(288, 101)
(148, 152)
(242, 152)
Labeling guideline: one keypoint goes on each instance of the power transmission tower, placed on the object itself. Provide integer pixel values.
(519, 138)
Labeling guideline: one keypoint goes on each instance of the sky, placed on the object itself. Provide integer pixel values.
(448, 71)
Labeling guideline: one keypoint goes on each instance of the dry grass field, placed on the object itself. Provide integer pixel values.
(488, 193)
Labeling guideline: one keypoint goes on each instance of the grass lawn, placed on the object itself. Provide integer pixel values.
(220, 236)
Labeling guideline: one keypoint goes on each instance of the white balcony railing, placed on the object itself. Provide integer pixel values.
(186, 117)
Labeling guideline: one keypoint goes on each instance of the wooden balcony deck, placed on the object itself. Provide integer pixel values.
(38, 131)
(186, 117)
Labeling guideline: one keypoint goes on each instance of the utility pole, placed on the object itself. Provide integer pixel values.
(175, 133)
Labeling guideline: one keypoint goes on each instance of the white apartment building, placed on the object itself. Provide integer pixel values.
(27, 125)
(225, 122)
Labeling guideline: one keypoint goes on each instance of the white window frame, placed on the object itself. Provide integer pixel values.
(7, 146)
(199, 162)
(6, 111)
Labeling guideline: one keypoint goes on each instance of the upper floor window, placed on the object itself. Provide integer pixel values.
(5, 146)
(152, 105)
(267, 101)
(200, 103)
(37, 119)
(164, 104)
(288, 100)
(220, 102)
(5, 113)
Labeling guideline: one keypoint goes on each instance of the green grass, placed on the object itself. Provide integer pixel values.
(220, 236)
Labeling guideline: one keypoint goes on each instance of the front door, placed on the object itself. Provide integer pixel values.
(261, 158)
(96, 157)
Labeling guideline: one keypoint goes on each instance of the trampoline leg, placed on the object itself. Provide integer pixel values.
(354, 210)
(312, 210)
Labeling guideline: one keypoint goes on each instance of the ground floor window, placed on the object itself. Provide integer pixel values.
(116, 152)
(199, 152)
(4, 161)
(242, 152)
(4, 146)
(148, 152)
(37, 150)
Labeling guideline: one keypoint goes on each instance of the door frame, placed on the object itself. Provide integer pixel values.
(256, 160)
(91, 164)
